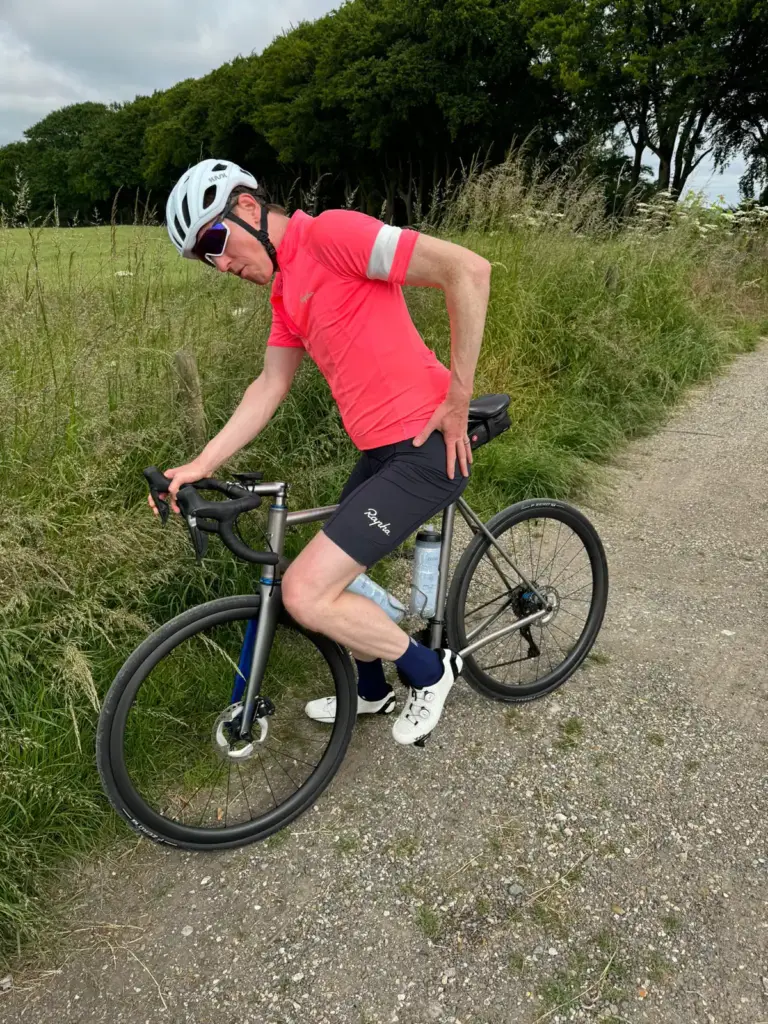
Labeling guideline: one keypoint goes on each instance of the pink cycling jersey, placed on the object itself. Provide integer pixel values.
(338, 295)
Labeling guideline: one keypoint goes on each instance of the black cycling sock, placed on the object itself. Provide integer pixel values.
(371, 684)
(420, 665)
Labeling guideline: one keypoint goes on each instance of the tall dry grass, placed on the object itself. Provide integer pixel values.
(593, 331)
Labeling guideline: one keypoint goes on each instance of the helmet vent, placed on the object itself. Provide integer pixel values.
(219, 167)
(185, 210)
(179, 228)
(208, 196)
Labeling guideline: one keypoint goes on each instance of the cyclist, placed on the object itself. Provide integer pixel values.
(337, 295)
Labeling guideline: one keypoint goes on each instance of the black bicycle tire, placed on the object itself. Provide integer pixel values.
(510, 516)
(129, 804)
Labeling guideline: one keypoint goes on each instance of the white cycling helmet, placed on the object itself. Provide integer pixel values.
(199, 196)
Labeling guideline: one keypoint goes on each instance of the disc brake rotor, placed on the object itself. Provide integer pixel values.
(228, 743)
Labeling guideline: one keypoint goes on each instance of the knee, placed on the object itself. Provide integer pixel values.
(298, 600)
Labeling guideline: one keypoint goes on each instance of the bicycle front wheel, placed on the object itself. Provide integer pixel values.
(553, 546)
(167, 731)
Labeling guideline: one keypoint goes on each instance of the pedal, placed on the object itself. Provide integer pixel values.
(389, 707)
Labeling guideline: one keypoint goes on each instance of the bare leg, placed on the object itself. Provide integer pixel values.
(314, 593)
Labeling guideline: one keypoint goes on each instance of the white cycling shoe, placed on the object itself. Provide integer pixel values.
(423, 707)
(324, 708)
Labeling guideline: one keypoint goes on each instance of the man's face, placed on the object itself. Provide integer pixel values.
(244, 256)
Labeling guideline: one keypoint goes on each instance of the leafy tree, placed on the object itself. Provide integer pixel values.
(744, 113)
(658, 68)
(13, 157)
(52, 149)
(109, 157)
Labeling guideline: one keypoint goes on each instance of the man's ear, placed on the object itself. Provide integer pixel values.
(248, 207)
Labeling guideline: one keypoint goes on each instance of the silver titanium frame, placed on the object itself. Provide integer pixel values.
(279, 519)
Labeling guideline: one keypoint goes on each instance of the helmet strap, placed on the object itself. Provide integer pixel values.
(261, 235)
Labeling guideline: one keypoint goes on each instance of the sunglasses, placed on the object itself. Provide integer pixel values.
(212, 244)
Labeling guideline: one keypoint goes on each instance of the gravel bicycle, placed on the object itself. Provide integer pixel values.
(202, 740)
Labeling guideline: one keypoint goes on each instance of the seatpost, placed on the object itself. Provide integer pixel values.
(438, 619)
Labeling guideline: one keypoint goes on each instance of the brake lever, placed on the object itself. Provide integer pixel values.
(198, 538)
(189, 503)
(158, 483)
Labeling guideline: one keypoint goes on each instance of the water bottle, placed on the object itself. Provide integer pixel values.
(426, 572)
(365, 586)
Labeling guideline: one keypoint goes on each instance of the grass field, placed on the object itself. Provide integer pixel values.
(594, 336)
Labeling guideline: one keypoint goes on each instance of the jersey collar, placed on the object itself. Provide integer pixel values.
(294, 233)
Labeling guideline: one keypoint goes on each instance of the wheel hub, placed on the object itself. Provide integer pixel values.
(227, 741)
(525, 602)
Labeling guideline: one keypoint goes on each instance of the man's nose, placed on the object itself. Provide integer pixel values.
(222, 262)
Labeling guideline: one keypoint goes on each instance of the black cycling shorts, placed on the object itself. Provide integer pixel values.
(391, 492)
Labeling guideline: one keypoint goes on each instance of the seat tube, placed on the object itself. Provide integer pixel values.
(269, 607)
(437, 622)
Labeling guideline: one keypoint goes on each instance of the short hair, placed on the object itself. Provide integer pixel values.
(259, 194)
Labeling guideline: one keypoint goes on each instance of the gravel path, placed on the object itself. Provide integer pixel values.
(600, 855)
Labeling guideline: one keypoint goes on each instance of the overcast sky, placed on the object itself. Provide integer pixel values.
(54, 53)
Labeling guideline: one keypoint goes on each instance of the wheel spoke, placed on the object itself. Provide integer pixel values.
(563, 559)
(557, 645)
(218, 776)
(530, 546)
(168, 743)
(538, 557)
(188, 801)
(245, 794)
(269, 784)
(499, 597)
(489, 620)
(554, 625)
(283, 770)
(309, 764)
(570, 562)
(578, 591)
(583, 568)
(557, 542)
(564, 611)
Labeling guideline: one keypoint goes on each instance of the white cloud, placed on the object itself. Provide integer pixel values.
(52, 54)
(30, 88)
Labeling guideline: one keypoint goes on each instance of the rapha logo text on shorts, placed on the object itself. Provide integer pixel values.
(373, 515)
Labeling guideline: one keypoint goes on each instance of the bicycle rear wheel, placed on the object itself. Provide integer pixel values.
(557, 549)
(167, 728)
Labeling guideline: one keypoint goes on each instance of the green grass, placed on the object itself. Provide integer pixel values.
(672, 923)
(429, 922)
(87, 400)
(405, 847)
(571, 731)
(599, 658)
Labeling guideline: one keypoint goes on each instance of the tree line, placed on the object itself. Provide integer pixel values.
(376, 104)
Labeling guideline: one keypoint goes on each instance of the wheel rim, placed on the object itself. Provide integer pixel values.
(167, 757)
(552, 555)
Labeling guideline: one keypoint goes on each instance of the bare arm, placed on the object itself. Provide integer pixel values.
(465, 278)
(256, 409)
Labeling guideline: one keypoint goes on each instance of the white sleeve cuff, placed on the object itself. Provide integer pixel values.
(383, 253)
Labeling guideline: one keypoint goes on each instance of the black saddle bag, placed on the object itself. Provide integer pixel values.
(482, 431)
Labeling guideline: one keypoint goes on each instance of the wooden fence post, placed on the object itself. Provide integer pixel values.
(190, 396)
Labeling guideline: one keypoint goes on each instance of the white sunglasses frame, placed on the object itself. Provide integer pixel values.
(209, 257)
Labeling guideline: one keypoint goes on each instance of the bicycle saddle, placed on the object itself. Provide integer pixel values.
(487, 406)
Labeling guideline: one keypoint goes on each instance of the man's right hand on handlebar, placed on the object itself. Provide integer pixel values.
(187, 474)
